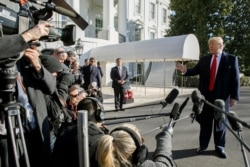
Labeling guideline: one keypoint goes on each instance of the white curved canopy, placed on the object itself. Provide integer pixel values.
(184, 47)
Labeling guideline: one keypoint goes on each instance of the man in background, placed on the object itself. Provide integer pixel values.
(119, 76)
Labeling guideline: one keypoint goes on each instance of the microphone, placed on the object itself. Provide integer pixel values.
(218, 115)
(198, 101)
(170, 98)
(236, 126)
(181, 108)
(173, 114)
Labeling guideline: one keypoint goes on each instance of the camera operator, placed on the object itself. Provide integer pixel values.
(38, 81)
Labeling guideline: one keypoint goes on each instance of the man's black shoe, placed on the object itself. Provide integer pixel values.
(200, 150)
(116, 109)
(221, 153)
(122, 109)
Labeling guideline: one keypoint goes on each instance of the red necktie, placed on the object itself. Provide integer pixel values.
(212, 73)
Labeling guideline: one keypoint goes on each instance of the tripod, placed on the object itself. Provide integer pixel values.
(11, 118)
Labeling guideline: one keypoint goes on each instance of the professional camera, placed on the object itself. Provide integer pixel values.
(10, 22)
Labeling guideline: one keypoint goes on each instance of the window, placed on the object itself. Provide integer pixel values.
(152, 11)
(151, 35)
(138, 6)
(98, 25)
(137, 34)
(164, 15)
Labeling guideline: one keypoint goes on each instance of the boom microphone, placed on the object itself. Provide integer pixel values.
(64, 11)
(236, 126)
(170, 98)
(173, 114)
(198, 101)
(219, 116)
(55, 8)
(181, 108)
(77, 19)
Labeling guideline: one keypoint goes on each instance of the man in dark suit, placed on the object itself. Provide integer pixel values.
(119, 76)
(225, 86)
(91, 74)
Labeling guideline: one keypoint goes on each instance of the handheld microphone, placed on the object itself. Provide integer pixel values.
(170, 98)
(181, 108)
(236, 126)
(173, 114)
(218, 115)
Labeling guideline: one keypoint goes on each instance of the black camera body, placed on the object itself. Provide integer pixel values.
(10, 24)
(9, 20)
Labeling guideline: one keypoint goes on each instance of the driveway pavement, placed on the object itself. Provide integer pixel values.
(185, 139)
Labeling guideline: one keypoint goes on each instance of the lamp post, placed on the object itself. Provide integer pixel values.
(79, 47)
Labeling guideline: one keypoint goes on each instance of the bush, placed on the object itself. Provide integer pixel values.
(190, 81)
(245, 81)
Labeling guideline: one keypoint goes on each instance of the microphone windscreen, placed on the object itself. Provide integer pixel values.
(172, 96)
(174, 112)
(218, 115)
(237, 126)
(196, 96)
(197, 99)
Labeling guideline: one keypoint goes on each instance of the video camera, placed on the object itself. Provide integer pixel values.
(10, 21)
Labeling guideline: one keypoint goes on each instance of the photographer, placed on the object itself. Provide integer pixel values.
(38, 81)
(66, 147)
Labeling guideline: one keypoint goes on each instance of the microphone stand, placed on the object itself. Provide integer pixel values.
(162, 126)
(243, 149)
(238, 137)
(226, 113)
(133, 118)
(242, 143)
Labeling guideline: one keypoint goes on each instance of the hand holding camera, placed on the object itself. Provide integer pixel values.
(35, 33)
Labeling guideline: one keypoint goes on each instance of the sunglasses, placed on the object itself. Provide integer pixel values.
(74, 96)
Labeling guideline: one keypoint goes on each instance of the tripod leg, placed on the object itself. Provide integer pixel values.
(12, 138)
(243, 150)
(23, 140)
(14, 112)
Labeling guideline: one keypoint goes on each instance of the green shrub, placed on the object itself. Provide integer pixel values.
(245, 81)
(190, 81)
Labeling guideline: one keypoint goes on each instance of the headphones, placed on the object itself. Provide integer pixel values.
(141, 152)
(98, 114)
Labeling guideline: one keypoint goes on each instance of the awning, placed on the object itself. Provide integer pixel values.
(174, 48)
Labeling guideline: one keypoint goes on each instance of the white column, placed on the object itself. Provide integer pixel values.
(76, 4)
(122, 17)
(108, 31)
(159, 18)
(146, 20)
(108, 14)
